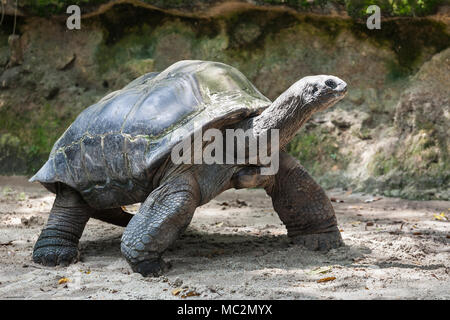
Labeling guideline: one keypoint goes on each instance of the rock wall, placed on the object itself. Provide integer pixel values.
(390, 135)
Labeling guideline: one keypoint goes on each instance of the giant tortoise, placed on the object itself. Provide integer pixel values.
(119, 152)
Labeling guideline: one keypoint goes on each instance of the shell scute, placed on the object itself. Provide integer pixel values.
(72, 155)
(110, 117)
(92, 159)
(114, 155)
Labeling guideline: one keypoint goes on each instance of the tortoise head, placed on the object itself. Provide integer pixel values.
(318, 93)
(297, 104)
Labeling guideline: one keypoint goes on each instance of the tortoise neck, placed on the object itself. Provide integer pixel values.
(286, 114)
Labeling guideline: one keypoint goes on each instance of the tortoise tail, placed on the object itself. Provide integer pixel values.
(116, 216)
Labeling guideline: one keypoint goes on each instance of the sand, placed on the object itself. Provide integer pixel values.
(236, 248)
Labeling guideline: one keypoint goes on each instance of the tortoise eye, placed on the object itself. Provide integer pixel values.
(330, 83)
(314, 89)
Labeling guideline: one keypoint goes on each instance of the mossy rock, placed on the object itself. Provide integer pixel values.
(12, 155)
(64, 72)
(354, 8)
(317, 152)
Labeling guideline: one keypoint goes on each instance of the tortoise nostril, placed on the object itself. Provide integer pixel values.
(331, 83)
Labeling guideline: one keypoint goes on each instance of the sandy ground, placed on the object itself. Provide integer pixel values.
(236, 248)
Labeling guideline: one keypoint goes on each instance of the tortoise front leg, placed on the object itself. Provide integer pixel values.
(303, 206)
(160, 220)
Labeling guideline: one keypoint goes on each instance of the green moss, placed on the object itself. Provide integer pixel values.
(364, 133)
(417, 169)
(407, 39)
(12, 158)
(382, 165)
(249, 30)
(357, 8)
(133, 46)
(154, 35)
(50, 7)
(317, 153)
(34, 133)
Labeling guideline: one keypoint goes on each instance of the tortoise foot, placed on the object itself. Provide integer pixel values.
(319, 241)
(151, 268)
(52, 256)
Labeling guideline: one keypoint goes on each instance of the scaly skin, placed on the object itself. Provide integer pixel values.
(300, 202)
(303, 207)
(58, 242)
(161, 219)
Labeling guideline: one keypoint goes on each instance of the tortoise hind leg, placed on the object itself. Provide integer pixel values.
(303, 207)
(58, 242)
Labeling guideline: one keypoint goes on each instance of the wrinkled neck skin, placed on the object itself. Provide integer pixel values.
(288, 113)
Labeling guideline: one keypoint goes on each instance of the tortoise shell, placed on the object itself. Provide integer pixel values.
(114, 148)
